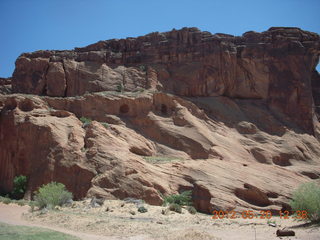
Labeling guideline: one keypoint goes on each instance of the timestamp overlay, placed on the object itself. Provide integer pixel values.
(250, 214)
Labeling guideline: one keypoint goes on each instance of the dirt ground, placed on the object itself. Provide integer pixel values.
(116, 220)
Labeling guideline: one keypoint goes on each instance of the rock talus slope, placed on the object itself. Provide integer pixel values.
(234, 119)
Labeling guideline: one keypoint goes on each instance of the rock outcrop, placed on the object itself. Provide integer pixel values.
(42, 145)
(234, 119)
(232, 154)
(5, 86)
(275, 65)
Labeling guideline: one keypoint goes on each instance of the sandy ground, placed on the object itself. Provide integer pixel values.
(13, 214)
(118, 220)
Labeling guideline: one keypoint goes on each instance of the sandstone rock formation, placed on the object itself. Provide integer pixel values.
(5, 85)
(276, 66)
(231, 118)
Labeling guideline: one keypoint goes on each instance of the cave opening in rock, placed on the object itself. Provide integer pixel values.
(10, 104)
(26, 105)
(164, 109)
(124, 108)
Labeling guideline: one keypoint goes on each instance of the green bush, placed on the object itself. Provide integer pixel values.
(21, 202)
(307, 198)
(143, 68)
(120, 87)
(142, 209)
(51, 195)
(182, 199)
(191, 210)
(106, 125)
(175, 207)
(85, 121)
(5, 200)
(19, 187)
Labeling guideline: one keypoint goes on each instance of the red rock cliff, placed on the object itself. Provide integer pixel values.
(235, 135)
(275, 65)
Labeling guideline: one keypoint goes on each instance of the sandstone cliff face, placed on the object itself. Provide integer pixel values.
(275, 65)
(232, 154)
(5, 86)
(231, 118)
(42, 145)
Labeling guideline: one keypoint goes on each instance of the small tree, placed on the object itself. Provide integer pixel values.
(51, 195)
(19, 187)
(307, 198)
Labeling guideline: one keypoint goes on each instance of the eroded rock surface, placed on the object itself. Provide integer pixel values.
(234, 166)
(234, 119)
(5, 86)
(276, 65)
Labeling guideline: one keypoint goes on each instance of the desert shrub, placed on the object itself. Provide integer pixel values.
(85, 121)
(165, 211)
(5, 200)
(160, 159)
(51, 195)
(83, 149)
(142, 209)
(139, 90)
(182, 199)
(143, 68)
(21, 202)
(307, 198)
(191, 210)
(120, 87)
(106, 125)
(175, 207)
(19, 187)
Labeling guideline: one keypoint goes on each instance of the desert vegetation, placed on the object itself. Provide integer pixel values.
(175, 202)
(51, 195)
(19, 187)
(85, 121)
(17, 193)
(307, 198)
(120, 88)
(160, 159)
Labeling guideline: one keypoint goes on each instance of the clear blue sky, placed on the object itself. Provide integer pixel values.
(30, 25)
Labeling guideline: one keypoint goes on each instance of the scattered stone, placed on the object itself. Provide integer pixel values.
(57, 208)
(138, 202)
(175, 208)
(284, 233)
(96, 202)
(191, 210)
(43, 211)
(165, 211)
(272, 224)
(132, 212)
(69, 203)
(142, 209)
